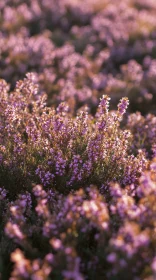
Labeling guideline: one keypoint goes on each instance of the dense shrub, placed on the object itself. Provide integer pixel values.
(48, 146)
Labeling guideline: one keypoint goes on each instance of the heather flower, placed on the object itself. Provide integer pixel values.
(123, 106)
(25, 268)
(103, 106)
(13, 231)
(3, 193)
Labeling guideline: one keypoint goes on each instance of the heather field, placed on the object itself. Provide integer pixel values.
(78, 140)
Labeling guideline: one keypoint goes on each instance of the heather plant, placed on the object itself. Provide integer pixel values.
(144, 133)
(85, 234)
(44, 145)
